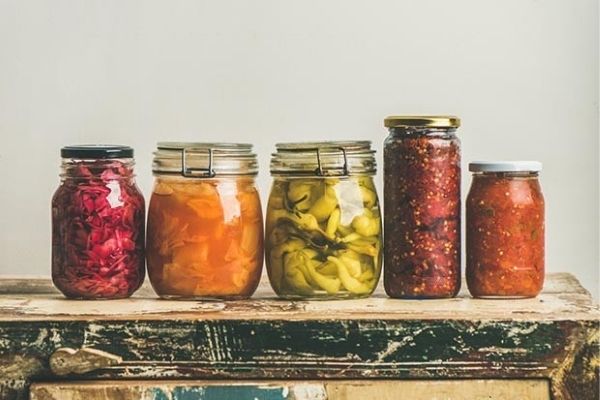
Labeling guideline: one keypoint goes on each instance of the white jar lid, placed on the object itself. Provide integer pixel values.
(505, 166)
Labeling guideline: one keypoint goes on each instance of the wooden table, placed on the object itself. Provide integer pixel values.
(264, 348)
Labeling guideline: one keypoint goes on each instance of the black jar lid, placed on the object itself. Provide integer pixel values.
(96, 151)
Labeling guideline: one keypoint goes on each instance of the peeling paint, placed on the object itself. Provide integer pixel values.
(462, 338)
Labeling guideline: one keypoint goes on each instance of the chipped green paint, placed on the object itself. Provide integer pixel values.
(330, 349)
(376, 347)
(322, 348)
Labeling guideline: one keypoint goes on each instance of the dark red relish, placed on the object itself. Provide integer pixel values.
(422, 213)
(98, 230)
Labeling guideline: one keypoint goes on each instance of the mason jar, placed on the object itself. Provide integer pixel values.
(205, 226)
(505, 230)
(422, 207)
(323, 224)
(97, 224)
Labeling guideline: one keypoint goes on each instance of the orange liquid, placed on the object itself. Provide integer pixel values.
(205, 238)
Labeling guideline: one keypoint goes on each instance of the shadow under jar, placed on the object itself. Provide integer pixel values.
(97, 224)
(323, 225)
(422, 207)
(505, 230)
(205, 227)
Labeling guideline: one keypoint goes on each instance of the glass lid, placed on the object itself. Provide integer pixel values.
(204, 160)
(339, 158)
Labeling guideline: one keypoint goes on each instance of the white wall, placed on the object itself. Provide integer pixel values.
(522, 74)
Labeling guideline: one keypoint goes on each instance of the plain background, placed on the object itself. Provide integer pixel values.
(522, 75)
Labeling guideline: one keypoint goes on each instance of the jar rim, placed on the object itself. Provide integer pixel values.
(204, 159)
(324, 158)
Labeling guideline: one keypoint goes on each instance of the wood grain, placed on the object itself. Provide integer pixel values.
(553, 337)
(296, 390)
(563, 298)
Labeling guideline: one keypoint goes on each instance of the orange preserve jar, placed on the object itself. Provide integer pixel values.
(205, 227)
(505, 230)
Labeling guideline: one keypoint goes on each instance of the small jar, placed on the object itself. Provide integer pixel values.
(323, 228)
(97, 224)
(505, 230)
(422, 207)
(205, 226)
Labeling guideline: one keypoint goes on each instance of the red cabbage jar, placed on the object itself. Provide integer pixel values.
(98, 217)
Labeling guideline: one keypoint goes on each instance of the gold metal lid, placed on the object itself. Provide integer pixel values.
(434, 121)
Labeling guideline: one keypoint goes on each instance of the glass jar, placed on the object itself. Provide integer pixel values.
(97, 224)
(205, 227)
(505, 230)
(323, 227)
(422, 207)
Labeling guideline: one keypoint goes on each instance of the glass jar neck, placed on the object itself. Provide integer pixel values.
(401, 131)
(98, 169)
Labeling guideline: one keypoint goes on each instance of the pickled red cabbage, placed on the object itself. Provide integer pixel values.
(98, 231)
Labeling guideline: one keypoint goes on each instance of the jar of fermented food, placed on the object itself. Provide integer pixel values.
(505, 230)
(323, 225)
(97, 224)
(205, 227)
(422, 207)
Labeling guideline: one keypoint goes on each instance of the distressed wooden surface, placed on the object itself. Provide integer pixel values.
(65, 361)
(533, 389)
(554, 336)
(562, 298)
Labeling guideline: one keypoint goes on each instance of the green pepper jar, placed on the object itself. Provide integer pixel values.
(323, 225)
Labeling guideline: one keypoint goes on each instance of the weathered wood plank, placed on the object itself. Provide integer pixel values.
(553, 337)
(578, 375)
(297, 390)
(563, 298)
(302, 349)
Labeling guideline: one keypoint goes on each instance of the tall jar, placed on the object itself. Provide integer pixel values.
(97, 224)
(422, 207)
(205, 226)
(505, 230)
(323, 225)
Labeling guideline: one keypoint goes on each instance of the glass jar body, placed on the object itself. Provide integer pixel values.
(505, 235)
(205, 237)
(98, 217)
(323, 237)
(422, 170)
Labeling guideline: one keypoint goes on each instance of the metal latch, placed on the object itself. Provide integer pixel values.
(190, 172)
(332, 171)
(65, 361)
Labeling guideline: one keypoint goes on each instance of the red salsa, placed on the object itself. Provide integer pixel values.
(505, 230)
(422, 207)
